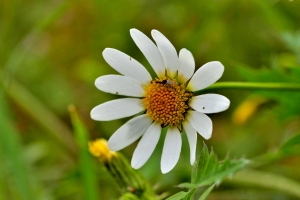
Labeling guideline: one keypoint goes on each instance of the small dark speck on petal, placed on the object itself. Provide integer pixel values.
(130, 57)
(203, 107)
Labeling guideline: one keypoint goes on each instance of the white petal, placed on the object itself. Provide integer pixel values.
(126, 65)
(206, 75)
(122, 85)
(201, 123)
(129, 132)
(209, 103)
(146, 146)
(171, 150)
(150, 51)
(117, 109)
(186, 65)
(192, 138)
(167, 51)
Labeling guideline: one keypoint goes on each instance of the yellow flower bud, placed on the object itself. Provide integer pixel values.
(99, 149)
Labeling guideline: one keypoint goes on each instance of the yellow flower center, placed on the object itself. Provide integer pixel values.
(166, 101)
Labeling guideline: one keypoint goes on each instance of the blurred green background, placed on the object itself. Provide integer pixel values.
(51, 54)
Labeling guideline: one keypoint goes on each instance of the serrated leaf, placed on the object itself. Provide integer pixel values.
(219, 174)
(208, 170)
(178, 196)
(234, 166)
(206, 192)
(212, 164)
(225, 164)
(199, 166)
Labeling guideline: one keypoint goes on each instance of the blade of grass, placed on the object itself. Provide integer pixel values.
(266, 180)
(41, 114)
(7, 15)
(20, 51)
(206, 192)
(11, 150)
(177, 196)
(87, 170)
(22, 96)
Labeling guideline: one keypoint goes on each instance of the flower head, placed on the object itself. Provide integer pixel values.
(99, 149)
(165, 101)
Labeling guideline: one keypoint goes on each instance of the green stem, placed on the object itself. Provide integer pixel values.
(252, 86)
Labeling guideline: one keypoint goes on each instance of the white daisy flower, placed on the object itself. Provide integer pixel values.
(167, 100)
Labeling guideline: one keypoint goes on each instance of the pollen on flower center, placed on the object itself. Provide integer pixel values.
(166, 101)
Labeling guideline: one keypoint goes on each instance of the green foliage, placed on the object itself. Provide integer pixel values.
(206, 192)
(129, 196)
(207, 170)
(291, 142)
(35, 109)
(86, 167)
(11, 157)
(291, 147)
(178, 196)
(50, 56)
(286, 101)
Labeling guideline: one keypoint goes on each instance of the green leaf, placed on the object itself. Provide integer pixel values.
(87, 170)
(212, 165)
(189, 195)
(291, 142)
(222, 172)
(178, 196)
(206, 192)
(199, 166)
(129, 196)
(14, 172)
(287, 101)
(208, 170)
